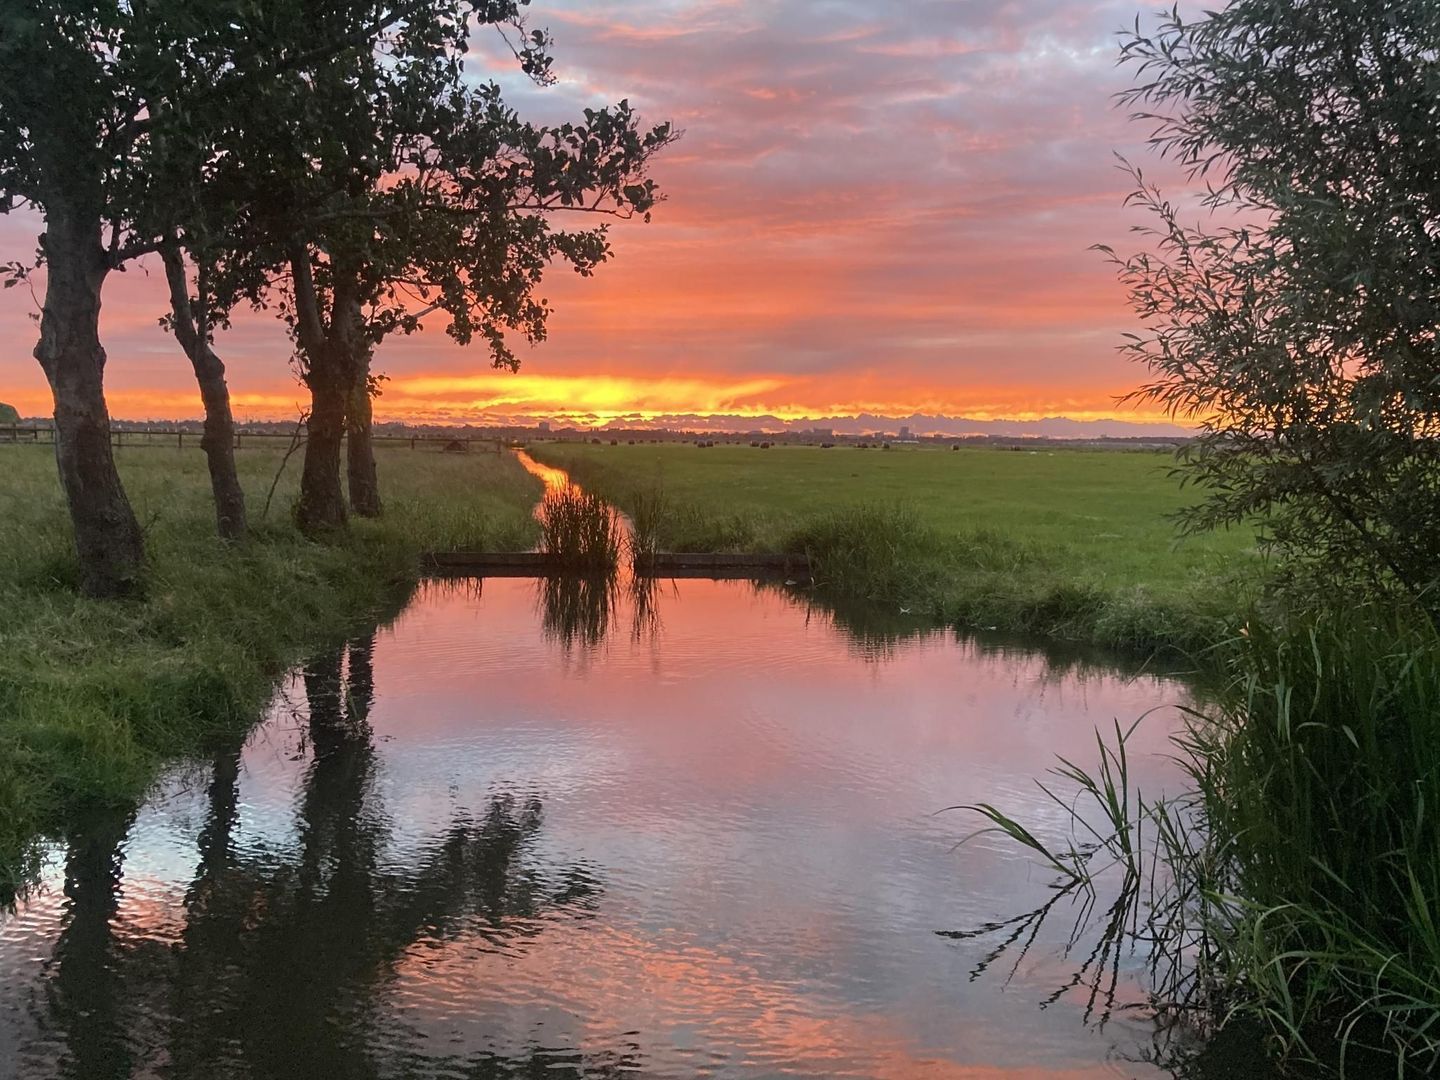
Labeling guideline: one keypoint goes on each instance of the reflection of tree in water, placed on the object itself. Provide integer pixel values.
(876, 631)
(284, 958)
(85, 992)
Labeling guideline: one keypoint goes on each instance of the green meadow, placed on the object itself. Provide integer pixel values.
(1073, 543)
(94, 694)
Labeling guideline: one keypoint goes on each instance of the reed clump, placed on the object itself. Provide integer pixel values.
(870, 552)
(1319, 772)
(1297, 883)
(579, 531)
(649, 511)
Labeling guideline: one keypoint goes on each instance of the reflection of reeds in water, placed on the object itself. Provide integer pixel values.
(873, 632)
(645, 607)
(579, 531)
(578, 609)
(1160, 905)
(581, 609)
(1295, 882)
(1097, 973)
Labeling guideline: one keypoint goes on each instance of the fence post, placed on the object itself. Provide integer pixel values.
(412, 442)
(180, 440)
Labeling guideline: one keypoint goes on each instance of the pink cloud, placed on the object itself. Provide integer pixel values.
(896, 195)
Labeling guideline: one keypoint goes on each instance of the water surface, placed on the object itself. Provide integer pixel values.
(690, 836)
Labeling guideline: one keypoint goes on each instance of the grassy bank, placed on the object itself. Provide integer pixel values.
(93, 696)
(1319, 774)
(1293, 890)
(1070, 543)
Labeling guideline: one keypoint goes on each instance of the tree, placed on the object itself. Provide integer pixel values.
(92, 96)
(9, 414)
(404, 192)
(1298, 323)
(64, 148)
(192, 321)
(468, 234)
(187, 216)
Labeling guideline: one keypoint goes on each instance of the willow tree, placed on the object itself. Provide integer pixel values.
(1297, 321)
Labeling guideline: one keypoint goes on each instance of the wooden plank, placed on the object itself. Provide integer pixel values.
(663, 561)
(476, 570)
(718, 564)
(790, 575)
(537, 562)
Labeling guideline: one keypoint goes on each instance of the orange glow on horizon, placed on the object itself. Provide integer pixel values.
(869, 213)
(497, 397)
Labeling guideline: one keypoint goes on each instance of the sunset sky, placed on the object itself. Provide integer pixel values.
(882, 206)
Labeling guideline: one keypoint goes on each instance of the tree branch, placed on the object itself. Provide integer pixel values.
(308, 323)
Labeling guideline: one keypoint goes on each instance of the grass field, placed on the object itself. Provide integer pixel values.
(1072, 543)
(93, 695)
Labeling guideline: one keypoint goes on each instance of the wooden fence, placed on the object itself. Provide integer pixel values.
(161, 437)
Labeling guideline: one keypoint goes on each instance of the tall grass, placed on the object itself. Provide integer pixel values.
(874, 552)
(1298, 883)
(649, 511)
(1320, 773)
(579, 531)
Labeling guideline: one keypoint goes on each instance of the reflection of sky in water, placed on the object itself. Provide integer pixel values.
(735, 868)
(554, 479)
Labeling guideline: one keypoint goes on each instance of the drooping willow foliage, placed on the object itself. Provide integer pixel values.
(1294, 313)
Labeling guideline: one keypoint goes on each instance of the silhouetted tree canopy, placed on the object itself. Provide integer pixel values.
(387, 186)
(332, 159)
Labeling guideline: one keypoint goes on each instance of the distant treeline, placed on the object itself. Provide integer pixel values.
(514, 433)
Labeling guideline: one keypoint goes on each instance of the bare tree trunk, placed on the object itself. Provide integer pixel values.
(218, 442)
(107, 537)
(322, 503)
(360, 451)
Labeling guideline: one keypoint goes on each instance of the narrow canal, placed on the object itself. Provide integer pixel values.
(695, 836)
